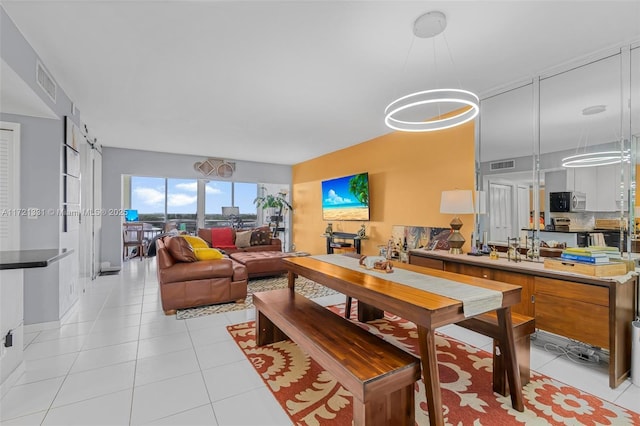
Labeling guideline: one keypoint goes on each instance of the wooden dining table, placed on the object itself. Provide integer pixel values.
(377, 293)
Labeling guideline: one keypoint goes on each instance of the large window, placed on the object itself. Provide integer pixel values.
(217, 194)
(148, 197)
(243, 196)
(165, 200)
(230, 194)
(182, 203)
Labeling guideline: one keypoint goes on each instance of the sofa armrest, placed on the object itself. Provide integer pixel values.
(276, 242)
(200, 270)
(205, 234)
(240, 272)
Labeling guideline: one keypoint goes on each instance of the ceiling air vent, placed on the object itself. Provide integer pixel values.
(45, 81)
(502, 165)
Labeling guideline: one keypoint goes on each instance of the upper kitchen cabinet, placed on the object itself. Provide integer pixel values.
(601, 185)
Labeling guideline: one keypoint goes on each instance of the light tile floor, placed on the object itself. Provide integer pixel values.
(118, 360)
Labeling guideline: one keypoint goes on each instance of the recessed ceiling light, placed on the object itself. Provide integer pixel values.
(594, 109)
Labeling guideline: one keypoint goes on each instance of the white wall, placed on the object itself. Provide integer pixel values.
(42, 139)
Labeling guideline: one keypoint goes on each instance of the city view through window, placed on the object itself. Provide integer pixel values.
(175, 201)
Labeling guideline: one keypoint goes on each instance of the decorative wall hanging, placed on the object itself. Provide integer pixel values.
(215, 167)
(72, 134)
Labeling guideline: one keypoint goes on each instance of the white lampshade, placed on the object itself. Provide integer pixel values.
(458, 201)
(230, 211)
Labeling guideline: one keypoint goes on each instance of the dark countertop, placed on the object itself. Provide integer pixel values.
(584, 231)
(36, 258)
(580, 231)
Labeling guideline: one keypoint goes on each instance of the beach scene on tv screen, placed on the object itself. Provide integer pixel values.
(346, 198)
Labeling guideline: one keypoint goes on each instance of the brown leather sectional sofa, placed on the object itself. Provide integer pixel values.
(274, 244)
(205, 282)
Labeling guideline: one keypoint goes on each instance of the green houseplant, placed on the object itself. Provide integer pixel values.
(278, 203)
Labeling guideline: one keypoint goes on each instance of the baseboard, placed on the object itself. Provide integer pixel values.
(32, 328)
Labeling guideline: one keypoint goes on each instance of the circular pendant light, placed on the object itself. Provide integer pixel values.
(464, 99)
(594, 159)
(465, 104)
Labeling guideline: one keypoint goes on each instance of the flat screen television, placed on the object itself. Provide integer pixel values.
(131, 215)
(346, 198)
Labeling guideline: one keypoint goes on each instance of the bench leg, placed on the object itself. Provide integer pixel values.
(266, 331)
(523, 352)
(396, 408)
(347, 308)
(368, 312)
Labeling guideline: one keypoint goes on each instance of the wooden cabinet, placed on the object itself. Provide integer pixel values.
(525, 307)
(527, 300)
(561, 308)
(596, 311)
(427, 262)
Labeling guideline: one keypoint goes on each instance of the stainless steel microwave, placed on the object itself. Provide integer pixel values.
(569, 201)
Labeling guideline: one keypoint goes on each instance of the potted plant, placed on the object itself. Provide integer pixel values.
(278, 202)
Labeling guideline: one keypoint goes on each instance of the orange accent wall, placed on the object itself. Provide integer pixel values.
(407, 173)
(636, 203)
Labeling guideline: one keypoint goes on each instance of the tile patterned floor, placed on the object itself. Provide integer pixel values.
(117, 359)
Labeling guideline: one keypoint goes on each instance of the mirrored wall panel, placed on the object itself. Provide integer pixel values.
(557, 156)
(506, 162)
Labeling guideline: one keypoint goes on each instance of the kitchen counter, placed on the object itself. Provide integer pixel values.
(529, 267)
(572, 238)
(36, 258)
(12, 266)
(571, 231)
(593, 310)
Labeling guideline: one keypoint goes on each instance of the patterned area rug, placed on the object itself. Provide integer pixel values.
(307, 288)
(311, 396)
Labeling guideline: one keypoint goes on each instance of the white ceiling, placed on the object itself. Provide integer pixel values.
(283, 82)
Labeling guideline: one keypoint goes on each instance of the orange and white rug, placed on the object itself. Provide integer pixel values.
(311, 396)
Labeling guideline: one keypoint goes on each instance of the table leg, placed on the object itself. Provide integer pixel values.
(430, 375)
(292, 280)
(507, 345)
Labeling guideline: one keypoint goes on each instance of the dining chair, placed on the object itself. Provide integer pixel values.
(133, 236)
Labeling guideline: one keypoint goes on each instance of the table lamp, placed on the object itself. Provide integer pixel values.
(230, 211)
(459, 201)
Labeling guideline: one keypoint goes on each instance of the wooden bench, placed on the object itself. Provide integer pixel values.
(523, 327)
(380, 376)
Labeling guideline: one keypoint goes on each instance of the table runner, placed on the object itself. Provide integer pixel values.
(475, 300)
